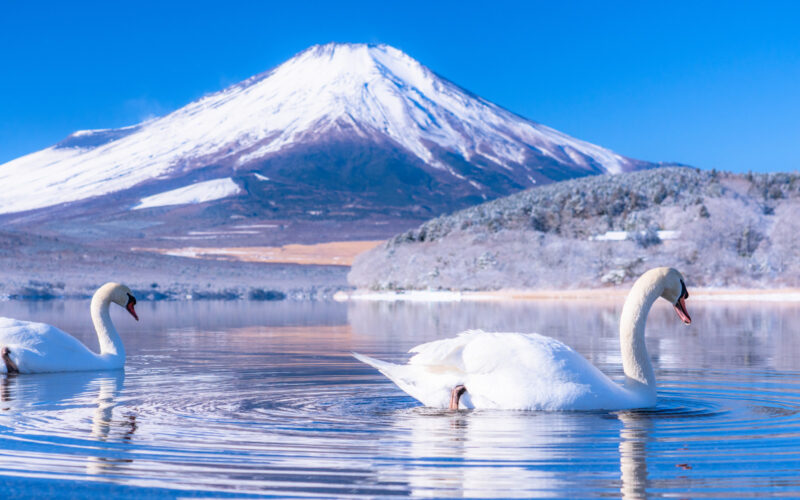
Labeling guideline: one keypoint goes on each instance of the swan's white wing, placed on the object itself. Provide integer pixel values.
(38, 347)
(503, 370)
(531, 371)
(444, 352)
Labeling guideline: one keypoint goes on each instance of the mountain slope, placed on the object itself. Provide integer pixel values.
(364, 127)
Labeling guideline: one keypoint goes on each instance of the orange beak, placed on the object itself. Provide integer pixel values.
(129, 307)
(680, 308)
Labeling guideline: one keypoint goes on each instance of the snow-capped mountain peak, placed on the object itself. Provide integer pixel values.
(369, 93)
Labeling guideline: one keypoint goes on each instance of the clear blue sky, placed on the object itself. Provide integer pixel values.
(714, 85)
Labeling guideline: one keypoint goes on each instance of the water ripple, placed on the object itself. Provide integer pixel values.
(287, 412)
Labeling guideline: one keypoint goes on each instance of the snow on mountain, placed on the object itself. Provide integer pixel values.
(371, 93)
(200, 192)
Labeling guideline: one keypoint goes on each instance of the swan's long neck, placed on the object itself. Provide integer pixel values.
(635, 360)
(110, 341)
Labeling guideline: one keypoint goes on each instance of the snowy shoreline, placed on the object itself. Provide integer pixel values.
(601, 294)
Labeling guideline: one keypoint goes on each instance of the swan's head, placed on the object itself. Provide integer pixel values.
(675, 291)
(120, 295)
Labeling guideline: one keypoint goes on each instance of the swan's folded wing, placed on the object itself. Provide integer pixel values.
(476, 351)
(489, 351)
(524, 371)
(444, 352)
(38, 337)
(22, 334)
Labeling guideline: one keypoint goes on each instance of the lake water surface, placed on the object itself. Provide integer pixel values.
(257, 399)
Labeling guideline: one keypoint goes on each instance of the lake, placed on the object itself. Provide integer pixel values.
(239, 399)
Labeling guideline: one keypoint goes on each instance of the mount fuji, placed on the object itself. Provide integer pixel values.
(348, 132)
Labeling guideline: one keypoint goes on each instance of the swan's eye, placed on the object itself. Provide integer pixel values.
(684, 291)
(131, 299)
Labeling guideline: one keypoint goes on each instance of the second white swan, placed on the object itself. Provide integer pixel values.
(517, 371)
(28, 347)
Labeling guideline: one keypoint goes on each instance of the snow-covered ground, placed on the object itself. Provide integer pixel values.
(409, 296)
(199, 192)
(723, 231)
(38, 268)
(627, 235)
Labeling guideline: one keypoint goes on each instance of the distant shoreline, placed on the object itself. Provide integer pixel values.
(593, 294)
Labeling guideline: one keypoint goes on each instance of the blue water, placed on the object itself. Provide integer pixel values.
(239, 399)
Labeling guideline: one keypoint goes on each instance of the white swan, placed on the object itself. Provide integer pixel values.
(29, 347)
(517, 371)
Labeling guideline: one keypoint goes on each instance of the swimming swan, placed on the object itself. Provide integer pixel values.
(516, 371)
(28, 347)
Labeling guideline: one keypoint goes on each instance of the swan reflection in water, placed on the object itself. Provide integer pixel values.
(55, 405)
(509, 454)
(633, 439)
(106, 429)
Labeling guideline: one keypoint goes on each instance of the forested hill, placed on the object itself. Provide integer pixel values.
(719, 229)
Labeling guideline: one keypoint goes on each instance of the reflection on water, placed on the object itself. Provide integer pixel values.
(107, 430)
(633, 453)
(248, 398)
(498, 454)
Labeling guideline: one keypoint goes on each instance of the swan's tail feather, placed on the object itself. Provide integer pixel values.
(381, 366)
(392, 371)
(430, 388)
